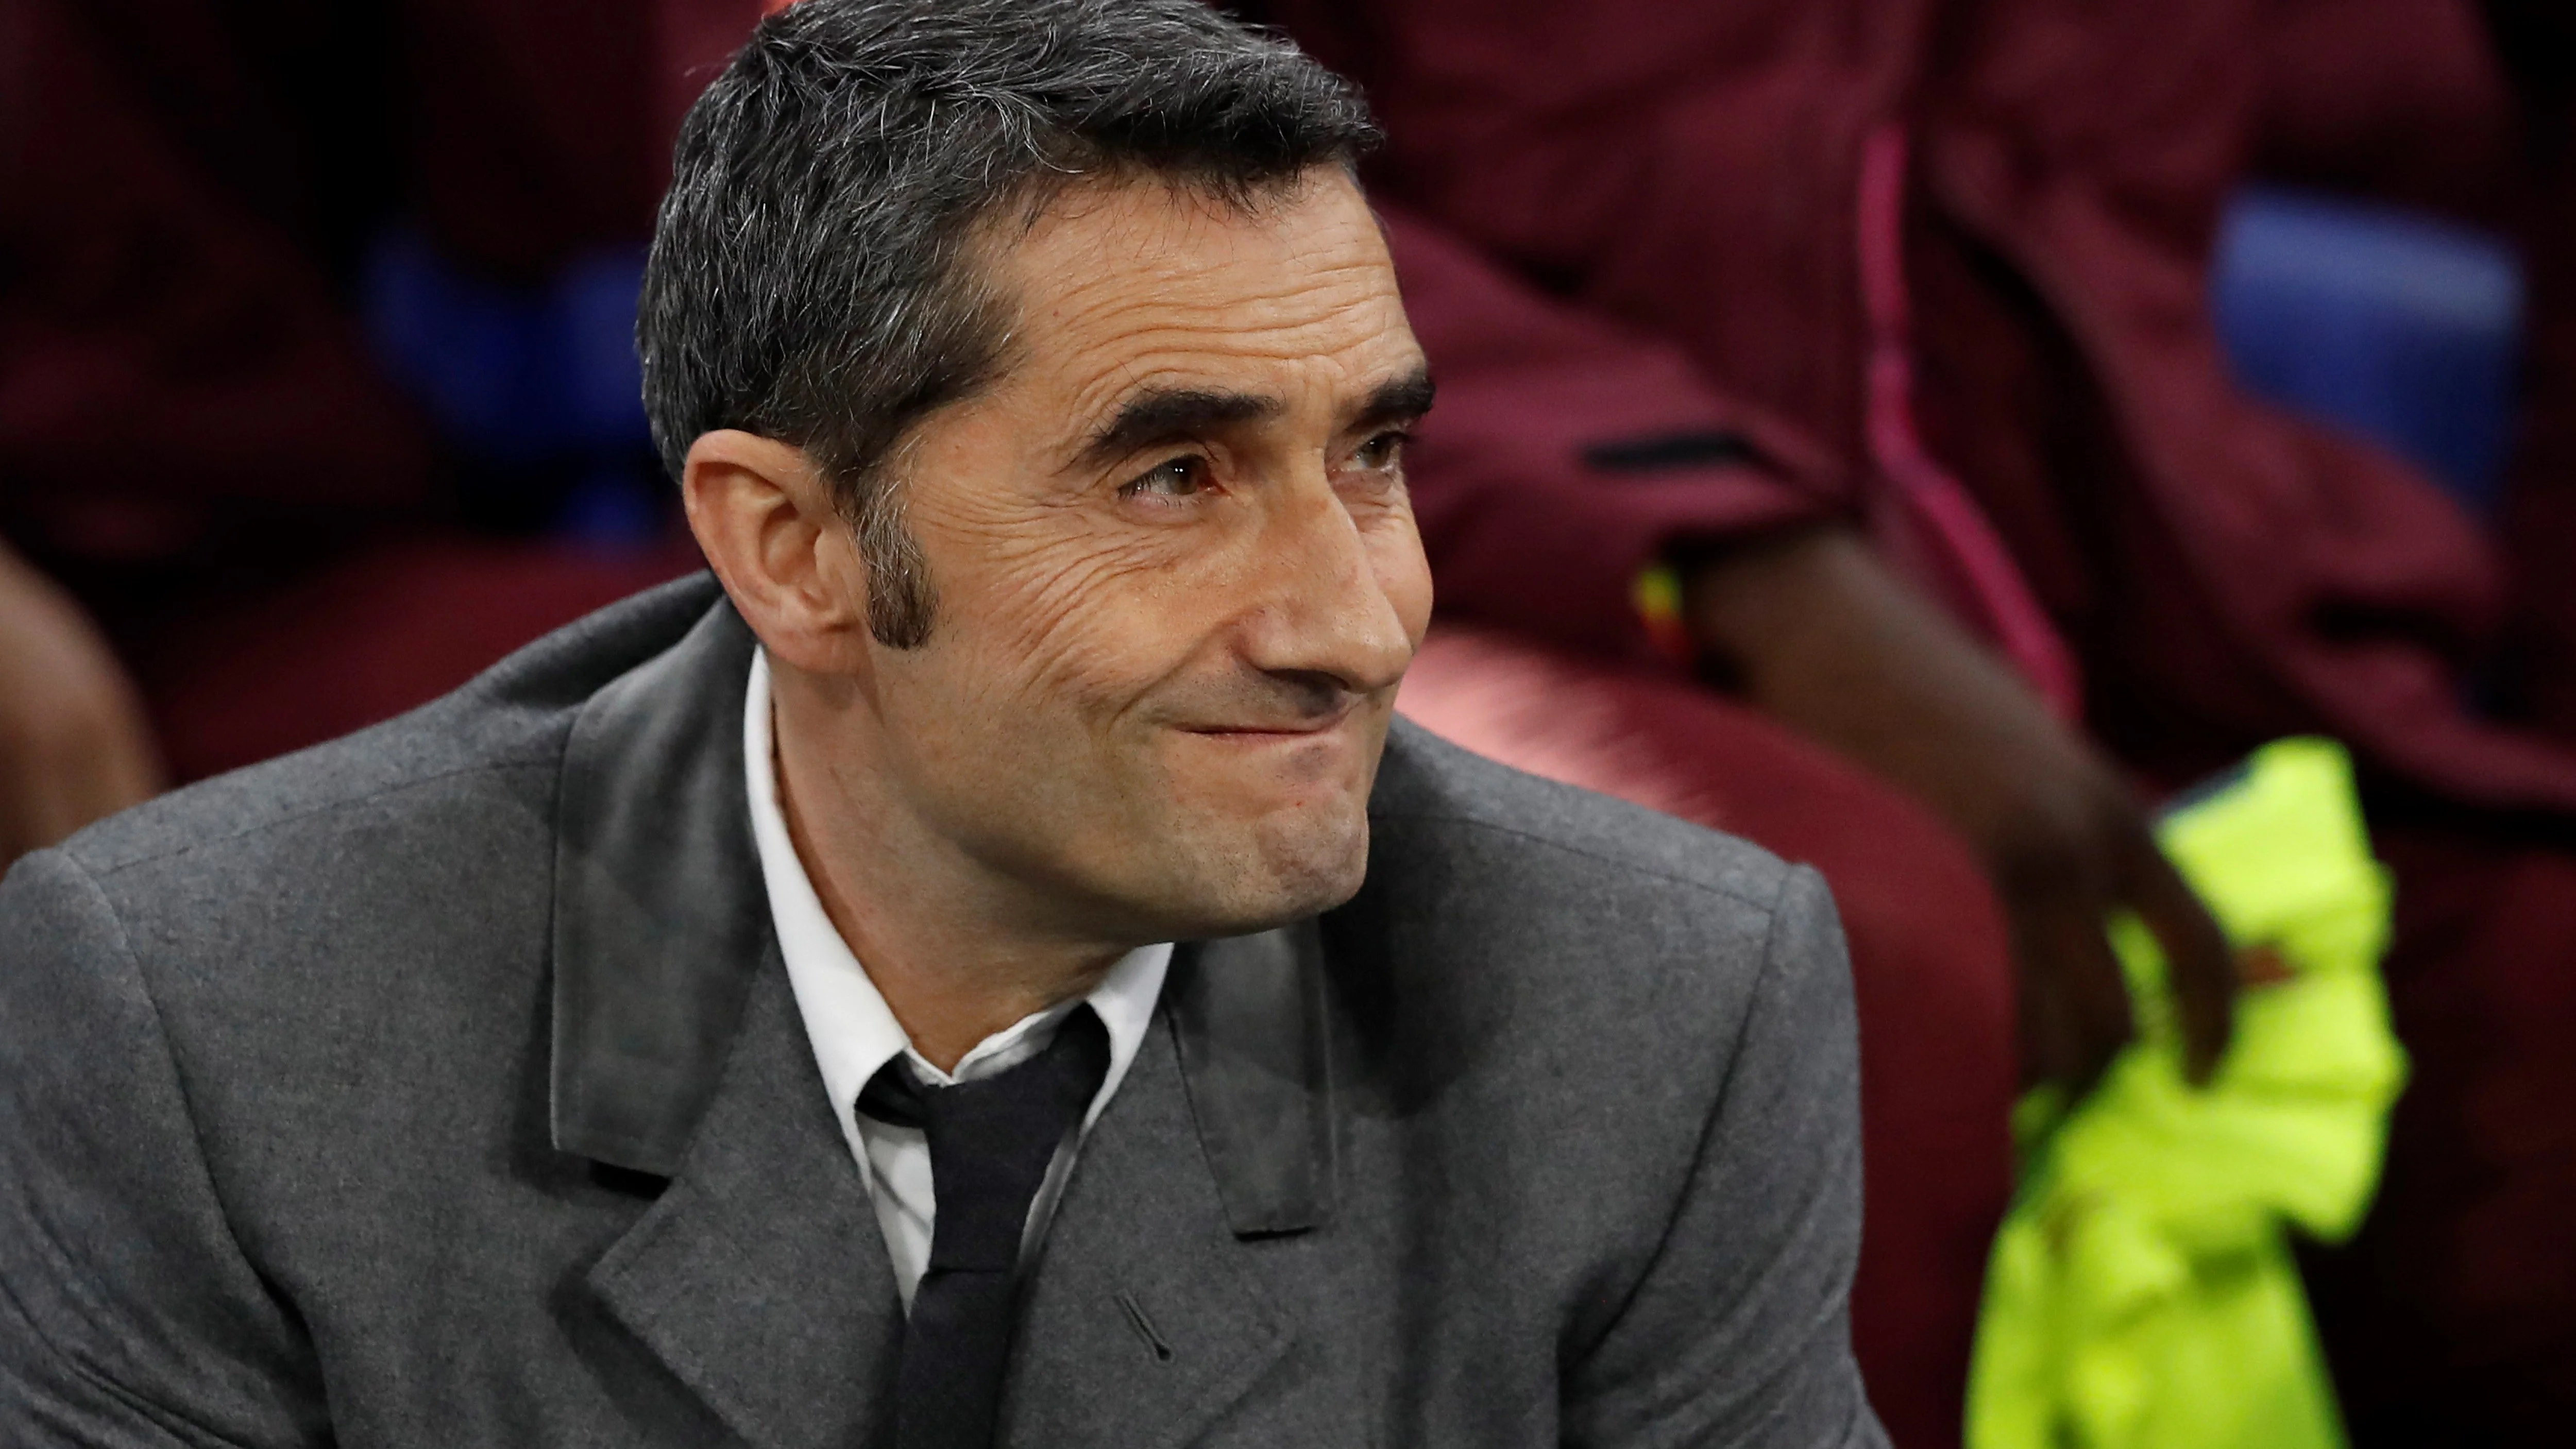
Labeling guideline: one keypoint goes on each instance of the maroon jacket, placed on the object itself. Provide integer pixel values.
(1693, 174)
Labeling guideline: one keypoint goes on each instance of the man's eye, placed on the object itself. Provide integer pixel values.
(1177, 478)
(1383, 451)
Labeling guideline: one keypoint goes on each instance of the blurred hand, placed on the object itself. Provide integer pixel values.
(1827, 641)
(73, 742)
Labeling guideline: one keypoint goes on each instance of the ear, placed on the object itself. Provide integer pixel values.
(763, 516)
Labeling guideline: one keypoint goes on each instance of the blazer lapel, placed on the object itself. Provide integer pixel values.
(660, 914)
(1144, 1321)
(1141, 1323)
(760, 1277)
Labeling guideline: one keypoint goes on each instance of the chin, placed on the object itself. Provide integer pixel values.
(1318, 882)
(1278, 872)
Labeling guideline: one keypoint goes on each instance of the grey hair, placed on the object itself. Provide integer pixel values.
(812, 275)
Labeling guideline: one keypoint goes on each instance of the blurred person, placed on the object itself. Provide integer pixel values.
(987, 966)
(2469, 111)
(2533, 83)
(1884, 326)
(205, 464)
(74, 746)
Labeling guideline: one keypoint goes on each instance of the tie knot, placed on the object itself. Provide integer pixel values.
(991, 1139)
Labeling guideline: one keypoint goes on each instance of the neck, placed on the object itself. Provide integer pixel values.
(937, 935)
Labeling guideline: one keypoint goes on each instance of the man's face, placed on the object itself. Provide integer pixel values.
(1176, 568)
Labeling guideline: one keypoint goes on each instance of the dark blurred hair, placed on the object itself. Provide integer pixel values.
(810, 276)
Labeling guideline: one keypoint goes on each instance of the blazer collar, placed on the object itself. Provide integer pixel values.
(660, 919)
(758, 1276)
(1147, 1317)
(1249, 1021)
(661, 922)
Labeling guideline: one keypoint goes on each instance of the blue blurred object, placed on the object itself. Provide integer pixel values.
(539, 384)
(2405, 329)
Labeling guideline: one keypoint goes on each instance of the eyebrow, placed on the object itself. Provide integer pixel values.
(1398, 400)
(1159, 414)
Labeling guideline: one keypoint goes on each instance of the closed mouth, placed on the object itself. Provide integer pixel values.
(1300, 730)
(1259, 732)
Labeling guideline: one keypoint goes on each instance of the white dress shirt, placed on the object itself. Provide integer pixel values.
(854, 1033)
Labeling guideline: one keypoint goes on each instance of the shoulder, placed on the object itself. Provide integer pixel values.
(1527, 956)
(353, 872)
(1566, 920)
(1437, 799)
(510, 721)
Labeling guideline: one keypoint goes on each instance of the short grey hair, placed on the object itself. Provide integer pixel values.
(810, 278)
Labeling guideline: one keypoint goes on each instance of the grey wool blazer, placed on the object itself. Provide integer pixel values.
(442, 1087)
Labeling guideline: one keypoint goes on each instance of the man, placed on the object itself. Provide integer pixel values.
(990, 974)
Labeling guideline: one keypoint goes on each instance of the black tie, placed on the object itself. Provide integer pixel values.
(991, 1141)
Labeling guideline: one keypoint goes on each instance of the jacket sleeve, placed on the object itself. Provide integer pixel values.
(1739, 1333)
(1568, 456)
(128, 1313)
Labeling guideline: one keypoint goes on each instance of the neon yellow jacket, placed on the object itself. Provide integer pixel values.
(2141, 1294)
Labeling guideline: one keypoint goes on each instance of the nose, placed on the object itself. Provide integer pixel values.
(1334, 598)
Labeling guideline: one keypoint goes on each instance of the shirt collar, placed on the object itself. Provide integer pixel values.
(854, 1032)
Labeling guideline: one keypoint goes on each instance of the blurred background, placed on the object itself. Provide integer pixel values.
(1923, 435)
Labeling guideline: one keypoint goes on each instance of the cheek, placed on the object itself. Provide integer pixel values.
(1403, 573)
(1030, 587)
(1043, 624)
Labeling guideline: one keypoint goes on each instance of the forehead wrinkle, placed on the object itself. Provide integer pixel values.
(1173, 279)
(1299, 319)
(1131, 289)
